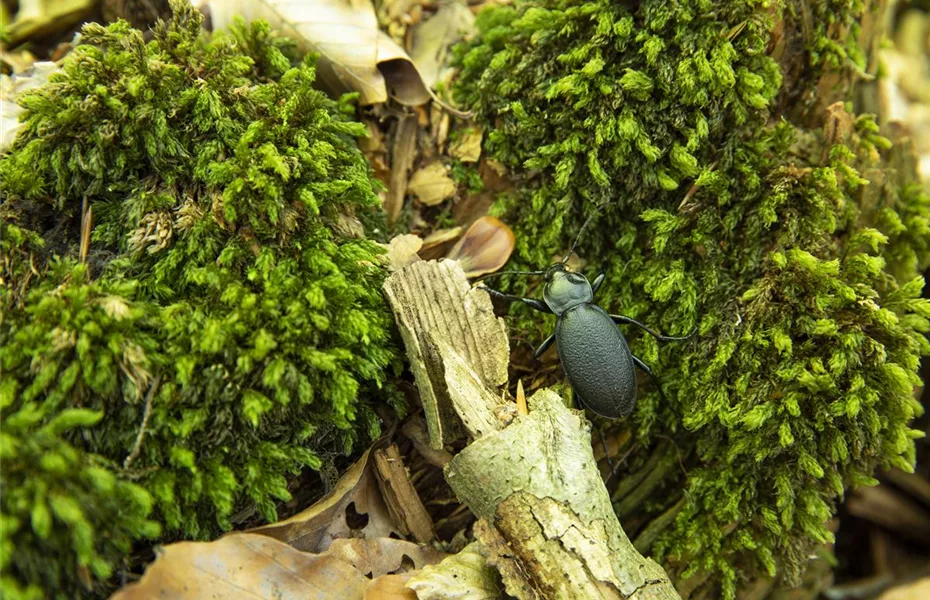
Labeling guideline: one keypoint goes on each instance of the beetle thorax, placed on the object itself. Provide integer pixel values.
(565, 290)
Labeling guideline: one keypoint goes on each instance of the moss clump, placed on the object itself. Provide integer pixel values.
(224, 329)
(801, 275)
(615, 100)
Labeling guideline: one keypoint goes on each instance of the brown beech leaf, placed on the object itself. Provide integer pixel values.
(432, 184)
(433, 37)
(244, 565)
(384, 556)
(485, 247)
(467, 147)
(355, 56)
(390, 587)
(917, 590)
(356, 497)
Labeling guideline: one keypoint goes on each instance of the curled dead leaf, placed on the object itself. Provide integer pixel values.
(438, 243)
(355, 497)
(244, 565)
(485, 247)
(355, 56)
(433, 37)
(40, 18)
(248, 565)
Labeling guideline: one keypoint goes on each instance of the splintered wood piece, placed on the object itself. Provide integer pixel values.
(480, 411)
(402, 500)
(434, 301)
(537, 484)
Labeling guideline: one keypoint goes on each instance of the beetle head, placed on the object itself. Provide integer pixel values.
(565, 289)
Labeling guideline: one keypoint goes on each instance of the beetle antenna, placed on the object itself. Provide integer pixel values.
(587, 222)
(483, 277)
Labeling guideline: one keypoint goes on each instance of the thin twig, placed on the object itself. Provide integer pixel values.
(137, 446)
(87, 224)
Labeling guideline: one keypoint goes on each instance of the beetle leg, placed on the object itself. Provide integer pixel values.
(639, 363)
(597, 282)
(531, 302)
(656, 335)
(610, 463)
(544, 346)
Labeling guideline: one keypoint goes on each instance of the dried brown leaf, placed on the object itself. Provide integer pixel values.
(442, 236)
(40, 18)
(432, 184)
(467, 147)
(355, 56)
(384, 556)
(315, 529)
(919, 590)
(485, 247)
(390, 587)
(244, 565)
(433, 38)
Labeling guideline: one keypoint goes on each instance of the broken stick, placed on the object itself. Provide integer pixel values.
(546, 522)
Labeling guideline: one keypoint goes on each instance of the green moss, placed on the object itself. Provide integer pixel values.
(609, 101)
(222, 311)
(801, 276)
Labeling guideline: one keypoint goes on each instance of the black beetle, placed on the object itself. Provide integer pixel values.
(595, 356)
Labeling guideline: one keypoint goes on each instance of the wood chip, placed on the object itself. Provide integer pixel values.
(402, 500)
(521, 399)
(435, 299)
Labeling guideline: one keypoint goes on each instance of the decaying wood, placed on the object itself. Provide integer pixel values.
(537, 483)
(480, 415)
(546, 522)
(433, 301)
(402, 500)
